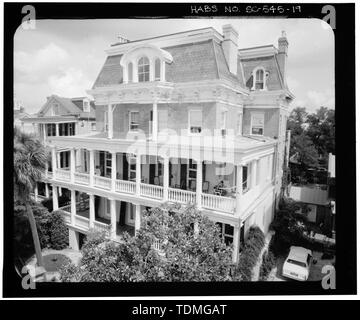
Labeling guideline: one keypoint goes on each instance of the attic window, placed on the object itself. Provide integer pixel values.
(144, 69)
(259, 76)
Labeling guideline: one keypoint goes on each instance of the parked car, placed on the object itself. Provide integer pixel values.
(297, 264)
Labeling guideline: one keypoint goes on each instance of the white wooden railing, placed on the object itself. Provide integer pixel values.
(62, 174)
(82, 222)
(125, 186)
(214, 202)
(100, 226)
(182, 196)
(66, 215)
(151, 190)
(82, 178)
(102, 182)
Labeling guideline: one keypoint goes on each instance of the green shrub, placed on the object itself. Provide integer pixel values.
(58, 231)
(268, 263)
(250, 253)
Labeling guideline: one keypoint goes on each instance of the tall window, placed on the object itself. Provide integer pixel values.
(130, 72)
(246, 175)
(51, 129)
(226, 232)
(259, 79)
(144, 69)
(257, 124)
(134, 120)
(157, 69)
(192, 174)
(195, 121)
(132, 168)
(108, 164)
(86, 106)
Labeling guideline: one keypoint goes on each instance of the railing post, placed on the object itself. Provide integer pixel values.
(57, 129)
(239, 188)
(199, 182)
(91, 167)
(91, 210)
(53, 161)
(137, 218)
(112, 218)
(113, 171)
(138, 173)
(55, 198)
(72, 165)
(73, 207)
(166, 178)
(236, 244)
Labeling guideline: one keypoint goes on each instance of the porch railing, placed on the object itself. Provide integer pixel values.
(125, 186)
(81, 222)
(102, 182)
(152, 191)
(62, 174)
(182, 196)
(220, 203)
(66, 215)
(100, 226)
(82, 178)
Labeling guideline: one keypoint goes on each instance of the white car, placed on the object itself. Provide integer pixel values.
(297, 264)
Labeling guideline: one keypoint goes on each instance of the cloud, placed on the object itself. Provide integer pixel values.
(321, 98)
(33, 66)
(70, 83)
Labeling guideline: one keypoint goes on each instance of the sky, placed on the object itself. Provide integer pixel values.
(64, 57)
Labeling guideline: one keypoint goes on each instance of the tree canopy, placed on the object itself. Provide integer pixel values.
(191, 250)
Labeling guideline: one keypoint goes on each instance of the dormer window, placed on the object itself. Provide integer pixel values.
(145, 63)
(157, 69)
(130, 72)
(259, 79)
(144, 69)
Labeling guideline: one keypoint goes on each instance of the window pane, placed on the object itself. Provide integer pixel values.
(157, 69)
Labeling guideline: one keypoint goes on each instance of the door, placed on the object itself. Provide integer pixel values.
(183, 175)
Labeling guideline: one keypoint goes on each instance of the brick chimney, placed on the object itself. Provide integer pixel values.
(230, 47)
(282, 55)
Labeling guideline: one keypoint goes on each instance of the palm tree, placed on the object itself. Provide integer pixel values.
(30, 158)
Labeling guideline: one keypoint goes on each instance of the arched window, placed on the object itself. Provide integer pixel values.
(259, 79)
(130, 72)
(157, 69)
(144, 69)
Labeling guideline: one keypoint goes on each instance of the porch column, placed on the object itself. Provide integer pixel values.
(72, 165)
(110, 121)
(57, 129)
(199, 182)
(137, 218)
(46, 190)
(73, 207)
(55, 198)
(36, 192)
(254, 173)
(112, 218)
(155, 121)
(138, 174)
(44, 131)
(239, 188)
(113, 171)
(53, 161)
(91, 167)
(166, 177)
(91, 209)
(58, 160)
(236, 244)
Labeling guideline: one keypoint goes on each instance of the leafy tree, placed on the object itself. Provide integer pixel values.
(191, 250)
(297, 120)
(303, 147)
(30, 158)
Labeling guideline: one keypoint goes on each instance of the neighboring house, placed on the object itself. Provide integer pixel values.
(320, 199)
(188, 118)
(19, 114)
(60, 116)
